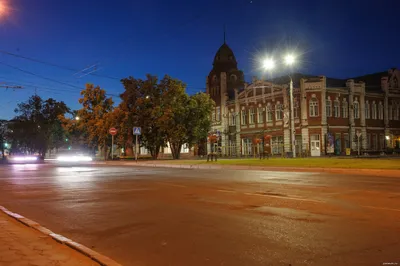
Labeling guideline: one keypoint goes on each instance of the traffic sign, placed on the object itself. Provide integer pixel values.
(137, 130)
(113, 131)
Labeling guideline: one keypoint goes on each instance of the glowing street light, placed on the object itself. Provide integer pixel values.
(4, 8)
(289, 59)
(268, 64)
(77, 118)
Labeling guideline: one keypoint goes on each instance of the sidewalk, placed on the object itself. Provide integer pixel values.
(24, 246)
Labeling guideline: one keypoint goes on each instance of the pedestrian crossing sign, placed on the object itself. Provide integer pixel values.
(137, 131)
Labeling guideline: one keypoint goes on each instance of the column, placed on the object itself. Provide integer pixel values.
(324, 119)
(237, 117)
(362, 117)
(286, 120)
(352, 133)
(304, 117)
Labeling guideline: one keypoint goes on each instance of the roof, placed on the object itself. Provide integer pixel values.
(224, 59)
(372, 81)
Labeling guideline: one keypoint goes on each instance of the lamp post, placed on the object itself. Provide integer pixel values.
(289, 60)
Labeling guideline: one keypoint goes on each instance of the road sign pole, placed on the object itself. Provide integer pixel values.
(136, 149)
(112, 147)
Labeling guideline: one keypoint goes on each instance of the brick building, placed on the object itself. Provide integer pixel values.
(331, 115)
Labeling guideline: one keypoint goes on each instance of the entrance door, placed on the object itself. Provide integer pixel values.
(315, 145)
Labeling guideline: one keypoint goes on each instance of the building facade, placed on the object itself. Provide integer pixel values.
(331, 116)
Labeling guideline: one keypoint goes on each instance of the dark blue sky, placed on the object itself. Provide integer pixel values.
(126, 37)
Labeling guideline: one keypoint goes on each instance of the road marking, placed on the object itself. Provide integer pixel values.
(283, 197)
(379, 208)
(226, 191)
(170, 184)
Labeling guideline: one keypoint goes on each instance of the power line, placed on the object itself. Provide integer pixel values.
(56, 65)
(37, 75)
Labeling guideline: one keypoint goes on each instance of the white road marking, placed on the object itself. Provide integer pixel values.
(283, 197)
(226, 191)
(379, 208)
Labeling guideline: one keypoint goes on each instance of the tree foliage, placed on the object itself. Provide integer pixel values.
(37, 127)
(165, 112)
(94, 117)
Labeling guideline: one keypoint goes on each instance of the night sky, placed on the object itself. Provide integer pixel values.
(338, 39)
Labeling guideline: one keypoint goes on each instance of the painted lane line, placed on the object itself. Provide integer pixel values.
(380, 208)
(226, 191)
(282, 197)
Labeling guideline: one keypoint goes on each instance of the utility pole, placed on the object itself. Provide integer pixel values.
(292, 128)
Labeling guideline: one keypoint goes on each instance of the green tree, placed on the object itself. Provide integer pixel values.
(3, 139)
(143, 101)
(37, 127)
(94, 117)
(165, 112)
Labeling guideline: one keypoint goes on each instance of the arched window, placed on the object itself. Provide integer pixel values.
(278, 111)
(314, 111)
(374, 111)
(380, 111)
(367, 110)
(269, 113)
(345, 108)
(328, 107)
(356, 109)
(336, 108)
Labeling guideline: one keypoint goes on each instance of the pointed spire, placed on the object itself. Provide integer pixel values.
(224, 34)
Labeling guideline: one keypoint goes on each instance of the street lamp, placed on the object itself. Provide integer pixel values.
(77, 118)
(289, 60)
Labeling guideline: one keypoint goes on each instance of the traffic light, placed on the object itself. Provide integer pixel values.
(66, 140)
(69, 147)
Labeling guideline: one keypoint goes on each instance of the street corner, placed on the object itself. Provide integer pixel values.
(49, 250)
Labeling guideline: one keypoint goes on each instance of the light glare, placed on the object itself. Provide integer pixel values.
(268, 64)
(290, 59)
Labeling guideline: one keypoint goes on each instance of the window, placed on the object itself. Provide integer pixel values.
(277, 145)
(346, 140)
(314, 107)
(278, 111)
(367, 111)
(233, 78)
(374, 142)
(390, 112)
(251, 116)
(373, 110)
(244, 120)
(380, 111)
(381, 141)
(345, 109)
(269, 113)
(397, 112)
(218, 116)
(368, 141)
(356, 109)
(213, 116)
(260, 118)
(336, 109)
(328, 108)
(233, 118)
(296, 109)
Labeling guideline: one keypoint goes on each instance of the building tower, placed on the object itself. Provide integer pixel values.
(222, 82)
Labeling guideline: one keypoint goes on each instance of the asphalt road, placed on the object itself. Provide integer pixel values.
(154, 216)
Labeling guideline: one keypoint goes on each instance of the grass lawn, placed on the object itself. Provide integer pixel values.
(353, 163)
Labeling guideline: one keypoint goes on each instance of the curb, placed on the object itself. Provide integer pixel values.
(369, 172)
(95, 256)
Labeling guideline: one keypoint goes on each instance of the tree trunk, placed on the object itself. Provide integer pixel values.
(105, 151)
(154, 151)
(176, 150)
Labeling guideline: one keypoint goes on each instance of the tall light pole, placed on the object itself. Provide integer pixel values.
(289, 60)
